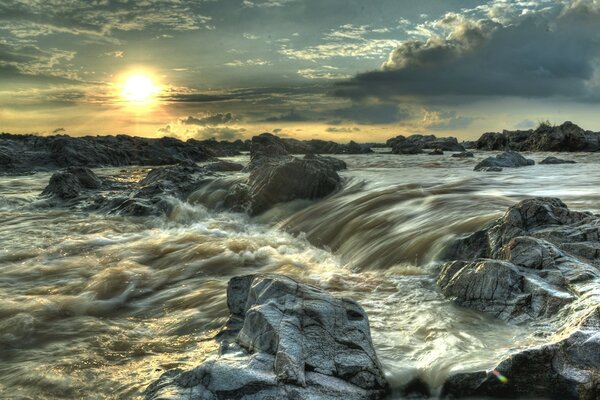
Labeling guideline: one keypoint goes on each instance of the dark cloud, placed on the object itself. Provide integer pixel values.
(551, 53)
(58, 130)
(336, 129)
(447, 120)
(215, 119)
(365, 113)
(224, 133)
(291, 116)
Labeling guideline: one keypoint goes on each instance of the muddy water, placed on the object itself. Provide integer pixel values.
(97, 306)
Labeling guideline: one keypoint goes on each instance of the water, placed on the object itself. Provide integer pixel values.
(97, 306)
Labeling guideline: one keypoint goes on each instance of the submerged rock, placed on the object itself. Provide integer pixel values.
(508, 159)
(284, 339)
(463, 154)
(554, 160)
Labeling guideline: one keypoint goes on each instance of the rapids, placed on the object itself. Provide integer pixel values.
(98, 306)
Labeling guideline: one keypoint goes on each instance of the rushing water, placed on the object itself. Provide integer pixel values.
(97, 306)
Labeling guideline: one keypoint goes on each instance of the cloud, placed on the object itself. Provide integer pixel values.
(335, 129)
(445, 120)
(256, 62)
(540, 54)
(58, 130)
(324, 72)
(224, 133)
(215, 119)
(291, 116)
(526, 124)
(378, 113)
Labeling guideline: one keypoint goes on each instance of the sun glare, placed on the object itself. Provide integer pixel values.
(139, 89)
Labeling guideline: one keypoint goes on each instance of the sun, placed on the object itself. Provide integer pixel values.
(139, 89)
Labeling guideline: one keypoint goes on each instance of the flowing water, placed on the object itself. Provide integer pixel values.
(97, 306)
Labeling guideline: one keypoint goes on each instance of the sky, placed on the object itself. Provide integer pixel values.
(331, 69)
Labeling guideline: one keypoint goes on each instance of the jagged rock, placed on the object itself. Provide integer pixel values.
(266, 145)
(415, 144)
(176, 180)
(554, 160)
(508, 159)
(463, 154)
(566, 369)
(284, 339)
(565, 137)
(69, 183)
(436, 152)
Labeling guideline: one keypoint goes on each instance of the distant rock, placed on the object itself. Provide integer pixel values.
(508, 159)
(415, 144)
(554, 160)
(283, 340)
(316, 146)
(463, 154)
(355, 148)
(565, 137)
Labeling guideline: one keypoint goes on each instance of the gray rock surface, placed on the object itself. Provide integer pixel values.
(508, 159)
(284, 340)
(565, 137)
(69, 183)
(415, 144)
(539, 262)
(554, 160)
(463, 154)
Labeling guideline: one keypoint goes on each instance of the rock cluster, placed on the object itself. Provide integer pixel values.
(283, 340)
(533, 263)
(415, 144)
(565, 137)
(508, 159)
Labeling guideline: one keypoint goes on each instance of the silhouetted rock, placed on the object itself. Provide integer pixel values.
(283, 340)
(508, 159)
(415, 144)
(565, 137)
(554, 160)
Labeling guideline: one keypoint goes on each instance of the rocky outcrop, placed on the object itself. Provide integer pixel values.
(508, 159)
(277, 177)
(30, 153)
(538, 262)
(415, 144)
(69, 183)
(554, 160)
(284, 339)
(316, 146)
(565, 137)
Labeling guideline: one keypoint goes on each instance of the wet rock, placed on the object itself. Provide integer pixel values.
(355, 148)
(266, 146)
(565, 137)
(284, 339)
(463, 154)
(436, 152)
(554, 160)
(285, 179)
(176, 180)
(567, 368)
(69, 183)
(508, 159)
(5, 158)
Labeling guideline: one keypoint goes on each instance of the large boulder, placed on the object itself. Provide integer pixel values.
(508, 159)
(283, 340)
(333, 162)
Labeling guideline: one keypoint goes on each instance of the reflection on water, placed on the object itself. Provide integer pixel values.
(98, 306)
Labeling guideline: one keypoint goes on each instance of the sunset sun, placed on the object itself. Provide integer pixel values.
(139, 89)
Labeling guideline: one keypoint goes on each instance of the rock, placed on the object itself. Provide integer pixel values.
(564, 369)
(335, 163)
(284, 339)
(354, 148)
(5, 158)
(285, 179)
(436, 152)
(224, 166)
(463, 154)
(565, 137)
(508, 159)
(69, 183)
(554, 160)
(176, 180)
(266, 145)
(415, 144)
